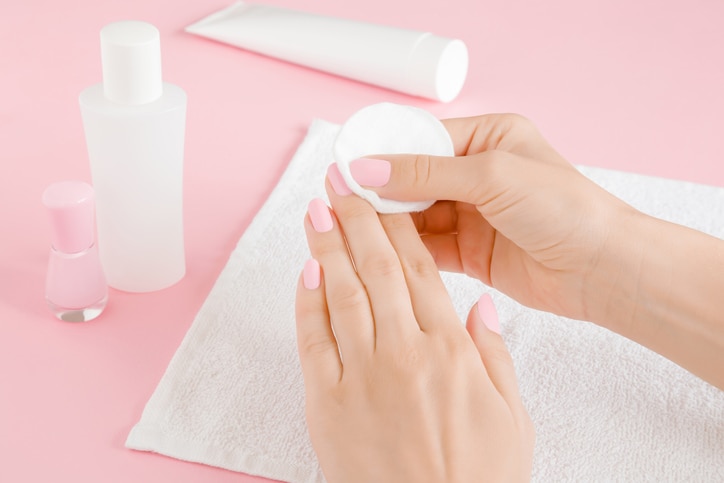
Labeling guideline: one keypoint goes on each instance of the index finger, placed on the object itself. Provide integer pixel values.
(505, 132)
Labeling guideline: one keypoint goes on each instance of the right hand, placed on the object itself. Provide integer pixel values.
(520, 217)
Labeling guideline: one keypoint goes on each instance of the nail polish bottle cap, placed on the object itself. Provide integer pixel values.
(71, 208)
(131, 60)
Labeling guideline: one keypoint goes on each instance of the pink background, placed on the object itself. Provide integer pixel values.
(635, 86)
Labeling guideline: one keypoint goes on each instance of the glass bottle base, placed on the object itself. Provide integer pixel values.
(78, 315)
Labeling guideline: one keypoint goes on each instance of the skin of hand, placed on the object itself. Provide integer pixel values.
(522, 219)
(396, 388)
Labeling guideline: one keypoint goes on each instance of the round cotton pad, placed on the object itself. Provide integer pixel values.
(388, 128)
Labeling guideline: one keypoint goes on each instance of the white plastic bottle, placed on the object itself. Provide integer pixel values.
(134, 126)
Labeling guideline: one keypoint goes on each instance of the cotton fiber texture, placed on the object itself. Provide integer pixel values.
(388, 128)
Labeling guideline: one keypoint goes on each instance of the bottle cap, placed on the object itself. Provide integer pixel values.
(438, 67)
(131, 59)
(70, 205)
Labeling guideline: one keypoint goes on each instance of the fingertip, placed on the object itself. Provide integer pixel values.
(483, 316)
(310, 296)
(336, 181)
(484, 329)
(487, 313)
(309, 301)
(371, 172)
(320, 215)
(311, 274)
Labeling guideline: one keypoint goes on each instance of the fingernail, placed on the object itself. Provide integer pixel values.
(320, 215)
(488, 314)
(339, 185)
(311, 274)
(371, 172)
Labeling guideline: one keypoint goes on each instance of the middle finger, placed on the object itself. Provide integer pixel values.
(376, 261)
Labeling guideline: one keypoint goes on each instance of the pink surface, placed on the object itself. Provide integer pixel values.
(635, 86)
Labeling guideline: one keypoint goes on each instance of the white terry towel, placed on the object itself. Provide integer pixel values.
(605, 408)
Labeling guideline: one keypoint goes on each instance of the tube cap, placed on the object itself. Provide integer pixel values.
(438, 67)
(131, 59)
(71, 206)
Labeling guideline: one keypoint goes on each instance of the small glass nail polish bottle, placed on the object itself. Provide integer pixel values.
(75, 288)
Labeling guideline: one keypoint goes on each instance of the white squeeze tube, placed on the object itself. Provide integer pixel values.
(417, 63)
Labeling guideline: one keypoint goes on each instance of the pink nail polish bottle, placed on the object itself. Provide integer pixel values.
(75, 288)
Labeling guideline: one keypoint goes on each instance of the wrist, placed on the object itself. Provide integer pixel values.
(613, 289)
(660, 284)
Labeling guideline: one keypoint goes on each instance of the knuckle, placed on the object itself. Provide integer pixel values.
(328, 246)
(422, 171)
(493, 164)
(396, 222)
(492, 172)
(408, 354)
(419, 221)
(421, 267)
(381, 265)
(411, 356)
(518, 120)
(410, 361)
(356, 210)
(347, 298)
(478, 267)
(515, 123)
(315, 343)
(459, 347)
(305, 308)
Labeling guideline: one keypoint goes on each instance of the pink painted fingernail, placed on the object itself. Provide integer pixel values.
(371, 172)
(337, 181)
(488, 314)
(311, 276)
(320, 215)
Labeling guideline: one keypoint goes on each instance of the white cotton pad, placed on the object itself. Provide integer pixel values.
(388, 128)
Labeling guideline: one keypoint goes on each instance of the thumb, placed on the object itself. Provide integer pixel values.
(473, 179)
(484, 329)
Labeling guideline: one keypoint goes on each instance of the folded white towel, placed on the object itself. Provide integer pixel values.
(605, 408)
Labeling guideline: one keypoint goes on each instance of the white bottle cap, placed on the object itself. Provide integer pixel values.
(437, 67)
(131, 59)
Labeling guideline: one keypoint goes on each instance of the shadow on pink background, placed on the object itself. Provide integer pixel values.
(635, 86)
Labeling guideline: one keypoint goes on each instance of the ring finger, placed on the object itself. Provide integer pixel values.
(349, 308)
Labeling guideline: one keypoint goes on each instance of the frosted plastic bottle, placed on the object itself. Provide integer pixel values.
(134, 126)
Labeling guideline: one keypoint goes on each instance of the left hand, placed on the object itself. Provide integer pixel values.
(396, 389)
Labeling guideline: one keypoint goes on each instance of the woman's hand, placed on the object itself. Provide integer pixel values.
(525, 221)
(521, 218)
(396, 389)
